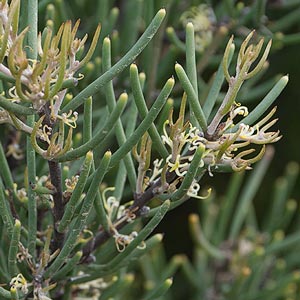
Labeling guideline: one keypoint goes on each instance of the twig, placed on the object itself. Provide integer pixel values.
(56, 181)
(137, 207)
(58, 209)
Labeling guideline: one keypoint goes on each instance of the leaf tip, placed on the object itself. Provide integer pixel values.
(89, 155)
(189, 26)
(177, 66)
(159, 237)
(169, 281)
(123, 97)
(106, 41)
(142, 76)
(115, 11)
(171, 81)
(17, 223)
(107, 154)
(162, 12)
(194, 219)
(169, 30)
(285, 78)
(133, 67)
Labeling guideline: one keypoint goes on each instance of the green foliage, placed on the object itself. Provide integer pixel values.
(246, 257)
(95, 160)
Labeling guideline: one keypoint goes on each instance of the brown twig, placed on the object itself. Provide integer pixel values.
(56, 181)
(137, 208)
(58, 209)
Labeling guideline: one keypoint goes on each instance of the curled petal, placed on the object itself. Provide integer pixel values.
(258, 156)
(194, 189)
(33, 137)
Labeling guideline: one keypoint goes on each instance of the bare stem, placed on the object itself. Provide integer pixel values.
(56, 181)
(58, 209)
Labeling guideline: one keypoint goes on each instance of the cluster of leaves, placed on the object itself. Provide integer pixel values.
(71, 213)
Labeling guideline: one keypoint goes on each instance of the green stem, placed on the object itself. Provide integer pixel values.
(264, 104)
(228, 206)
(159, 290)
(285, 22)
(131, 23)
(192, 96)
(68, 267)
(260, 11)
(277, 291)
(144, 233)
(14, 294)
(200, 239)
(111, 103)
(282, 190)
(87, 136)
(252, 93)
(5, 170)
(100, 135)
(15, 108)
(248, 193)
(289, 213)
(61, 10)
(189, 176)
(5, 293)
(145, 124)
(32, 51)
(88, 122)
(109, 23)
(173, 38)
(121, 176)
(150, 243)
(143, 111)
(172, 266)
(153, 55)
(32, 205)
(102, 10)
(164, 115)
(113, 265)
(130, 56)
(14, 249)
(272, 221)
(81, 219)
(190, 273)
(6, 216)
(215, 88)
(33, 29)
(191, 67)
(291, 241)
(76, 194)
(124, 282)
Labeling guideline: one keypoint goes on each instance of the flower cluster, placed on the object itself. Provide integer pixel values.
(56, 142)
(227, 149)
(228, 141)
(46, 77)
(116, 211)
